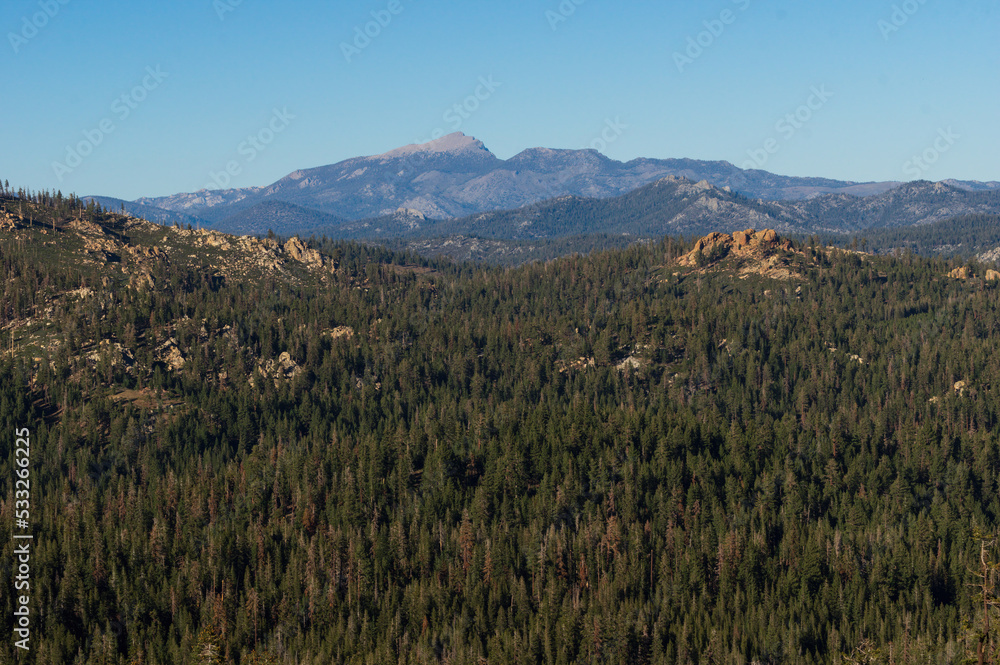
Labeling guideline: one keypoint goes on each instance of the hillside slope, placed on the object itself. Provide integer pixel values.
(346, 455)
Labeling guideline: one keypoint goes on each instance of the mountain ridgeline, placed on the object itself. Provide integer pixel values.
(741, 449)
(675, 206)
(457, 175)
(457, 178)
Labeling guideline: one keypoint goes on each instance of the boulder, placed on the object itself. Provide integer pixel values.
(297, 249)
(171, 355)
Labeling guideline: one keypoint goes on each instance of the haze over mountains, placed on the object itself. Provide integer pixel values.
(457, 177)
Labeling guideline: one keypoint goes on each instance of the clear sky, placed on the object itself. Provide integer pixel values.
(134, 98)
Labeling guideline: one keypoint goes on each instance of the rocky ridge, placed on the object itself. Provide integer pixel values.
(762, 253)
(115, 253)
(231, 256)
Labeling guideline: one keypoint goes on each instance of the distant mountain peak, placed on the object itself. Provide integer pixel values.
(455, 176)
(454, 143)
(557, 158)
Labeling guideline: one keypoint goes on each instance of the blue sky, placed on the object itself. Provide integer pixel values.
(850, 90)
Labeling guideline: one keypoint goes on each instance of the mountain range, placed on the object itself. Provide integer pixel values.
(456, 185)
(677, 206)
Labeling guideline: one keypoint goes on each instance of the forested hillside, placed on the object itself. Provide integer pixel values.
(966, 236)
(257, 453)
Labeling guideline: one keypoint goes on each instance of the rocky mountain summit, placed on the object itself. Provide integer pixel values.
(740, 244)
(457, 176)
(751, 252)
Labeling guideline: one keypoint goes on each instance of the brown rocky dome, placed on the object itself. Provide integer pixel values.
(749, 243)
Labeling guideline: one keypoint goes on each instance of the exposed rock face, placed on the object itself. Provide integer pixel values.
(99, 245)
(217, 240)
(340, 331)
(966, 273)
(283, 367)
(7, 221)
(85, 226)
(142, 279)
(246, 253)
(991, 256)
(297, 249)
(580, 364)
(751, 253)
(280, 369)
(630, 363)
(742, 243)
(171, 355)
(116, 354)
(412, 212)
(135, 251)
(148, 252)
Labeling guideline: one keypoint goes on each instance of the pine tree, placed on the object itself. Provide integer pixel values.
(206, 650)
